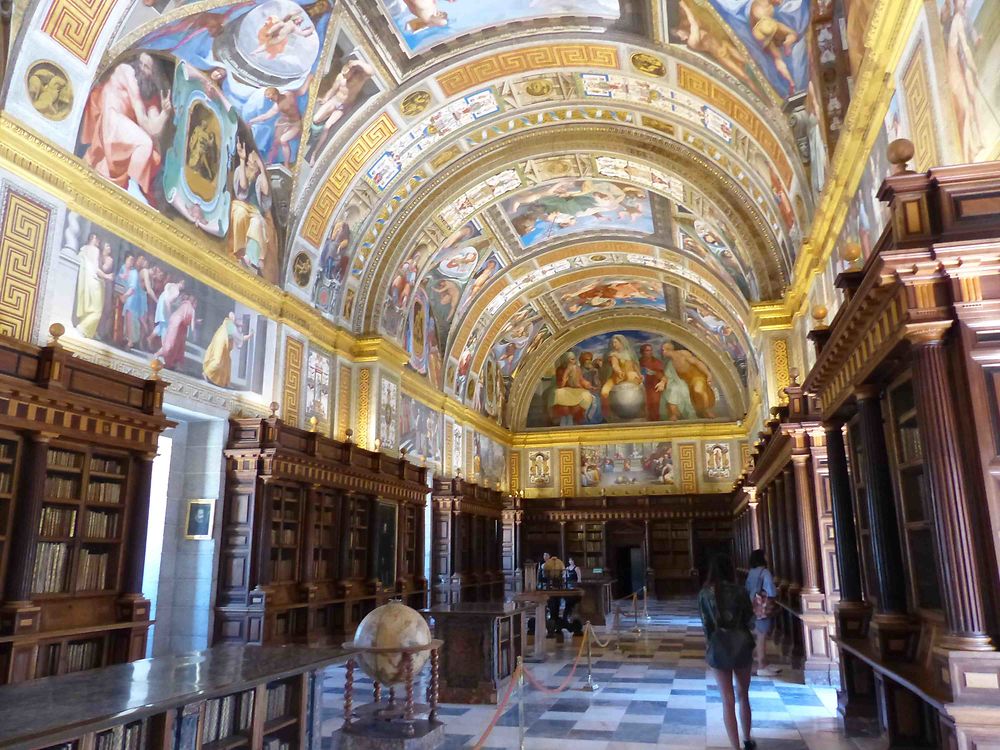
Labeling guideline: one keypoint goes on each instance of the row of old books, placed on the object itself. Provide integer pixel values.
(56, 521)
(104, 492)
(93, 570)
(81, 655)
(101, 525)
(284, 536)
(227, 716)
(64, 459)
(275, 743)
(283, 570)
(51, 561)
(6, 450)
(63, 488)
(277, 701)
(127, 737)
(106, 465)
(6, 482)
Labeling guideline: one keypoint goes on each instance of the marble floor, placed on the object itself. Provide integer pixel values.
(654, 693)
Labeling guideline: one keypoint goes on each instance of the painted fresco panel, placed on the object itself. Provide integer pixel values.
(126, 299)
(420, 430)
(540, 469)
(387, 408)
(626, 377)
(318, 388)
(622, 465)
(489, 460)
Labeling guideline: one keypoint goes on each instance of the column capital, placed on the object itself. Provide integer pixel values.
(928, 334)
(866, 391)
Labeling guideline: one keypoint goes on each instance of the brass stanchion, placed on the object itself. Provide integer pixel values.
(591, 686)
(635, 613)
(645, 605)
(616, 627)
(520, 702)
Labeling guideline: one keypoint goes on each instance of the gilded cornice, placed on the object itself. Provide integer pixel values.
(890, 26)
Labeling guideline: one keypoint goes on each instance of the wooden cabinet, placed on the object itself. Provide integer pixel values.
(224, 698)
(76, 452)
(304, 556)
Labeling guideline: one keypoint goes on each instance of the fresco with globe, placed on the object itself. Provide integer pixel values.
(626, 376)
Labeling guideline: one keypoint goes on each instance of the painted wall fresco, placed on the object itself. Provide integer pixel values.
(718, 467)
(734, 33)
(420, 430)
(423, 23)
(628, 376)
(540, 468)
(164, 132)
(388, 408)
(128, 300)
(627, 464)
(318, 388)
(712, 247)
(489, 459)
(569, 206)
(608, 294)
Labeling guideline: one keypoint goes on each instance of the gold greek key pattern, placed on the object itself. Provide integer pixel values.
(76, 24)
(343, 402)
(524, 60)
(701, 85)
(449, 449)
(294, 354)
(567, 473)
(918, 106)
(22, 247)
(779, 362)
(364, 405)
(687, 462)
(515, 470)
(744, 455)
(355, 156)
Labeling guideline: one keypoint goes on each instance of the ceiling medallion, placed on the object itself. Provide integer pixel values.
(49, 90)
(302, 269)
(648, 64)
(415, 103)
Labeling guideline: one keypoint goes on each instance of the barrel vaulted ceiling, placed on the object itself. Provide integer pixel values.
(475, 181)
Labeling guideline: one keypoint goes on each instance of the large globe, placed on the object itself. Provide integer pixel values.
(627, 400)
(392, 625)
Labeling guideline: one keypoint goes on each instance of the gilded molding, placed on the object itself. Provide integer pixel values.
(23, 236)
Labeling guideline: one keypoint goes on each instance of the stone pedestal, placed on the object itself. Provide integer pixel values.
(373, 735)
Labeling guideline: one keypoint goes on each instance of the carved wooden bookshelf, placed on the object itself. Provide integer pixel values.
(466, 522)
(76, 453)
(316, 533)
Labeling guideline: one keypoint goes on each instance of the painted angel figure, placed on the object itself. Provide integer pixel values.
(275, 33)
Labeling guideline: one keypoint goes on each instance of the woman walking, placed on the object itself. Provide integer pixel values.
(760, 588)
(727, 618)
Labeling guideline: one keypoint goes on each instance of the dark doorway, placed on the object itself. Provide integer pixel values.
(630, 570)
(386, 519)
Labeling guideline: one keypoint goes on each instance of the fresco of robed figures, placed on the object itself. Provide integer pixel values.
(187, 153)
(346, 84)
(131, 301)
(625, 464)
(571, 205)
(317, 399)
(262, 54)
(627, 376)
(422, 23)
(771, 33)
(608, 294)
(717, 465)
(419, 430)
(971, 74)
(489, 460)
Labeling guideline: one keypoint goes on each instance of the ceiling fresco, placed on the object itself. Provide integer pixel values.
(471, 180)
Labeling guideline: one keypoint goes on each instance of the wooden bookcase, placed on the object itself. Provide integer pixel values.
(76, 454)
(466, 539)
(300, 554)
(585, 544)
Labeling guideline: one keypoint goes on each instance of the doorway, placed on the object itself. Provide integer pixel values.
(630, 569)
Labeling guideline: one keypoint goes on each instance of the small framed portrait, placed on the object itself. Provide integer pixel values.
(200, 516)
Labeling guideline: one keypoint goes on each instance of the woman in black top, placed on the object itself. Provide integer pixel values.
(572, 573)
(727, 617)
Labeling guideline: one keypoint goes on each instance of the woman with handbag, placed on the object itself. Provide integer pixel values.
(727, 618)
(761, 589)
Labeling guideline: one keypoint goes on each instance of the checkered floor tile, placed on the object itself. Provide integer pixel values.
(654, 692)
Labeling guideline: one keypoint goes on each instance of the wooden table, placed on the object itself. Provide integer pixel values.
(482, 641)
(597, 600)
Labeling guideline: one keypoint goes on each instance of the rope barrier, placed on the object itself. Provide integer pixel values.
(596, 639)
(576, 662)
(514, 679)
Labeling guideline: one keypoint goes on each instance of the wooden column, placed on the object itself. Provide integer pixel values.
(845, 529)
(562, 541)
(753, 510)
(780, 539)
(772, 533)
(24, 524)
(892, 632)
(887, 556)
(950, 498)
(802, 464)
(793, 557)
(420, 572)
(372, 571)
(307, 552)
(262, 521)
(346, 521)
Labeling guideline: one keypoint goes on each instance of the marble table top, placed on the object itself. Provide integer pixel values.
(124, 692)
(497, 609)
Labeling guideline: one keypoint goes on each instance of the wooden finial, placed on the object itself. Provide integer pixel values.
(819, 313)
(377, 445)
(155, 365)
(458, 473)
(274, 409)
(56, 331)
(313, 423)
(900, 151)
(793, 373)
(851, 254)
(348, 434)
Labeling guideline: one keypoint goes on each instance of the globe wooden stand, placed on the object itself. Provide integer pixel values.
(393, 723)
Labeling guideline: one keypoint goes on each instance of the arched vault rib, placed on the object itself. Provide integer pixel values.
(530, 372)
(673, 158)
